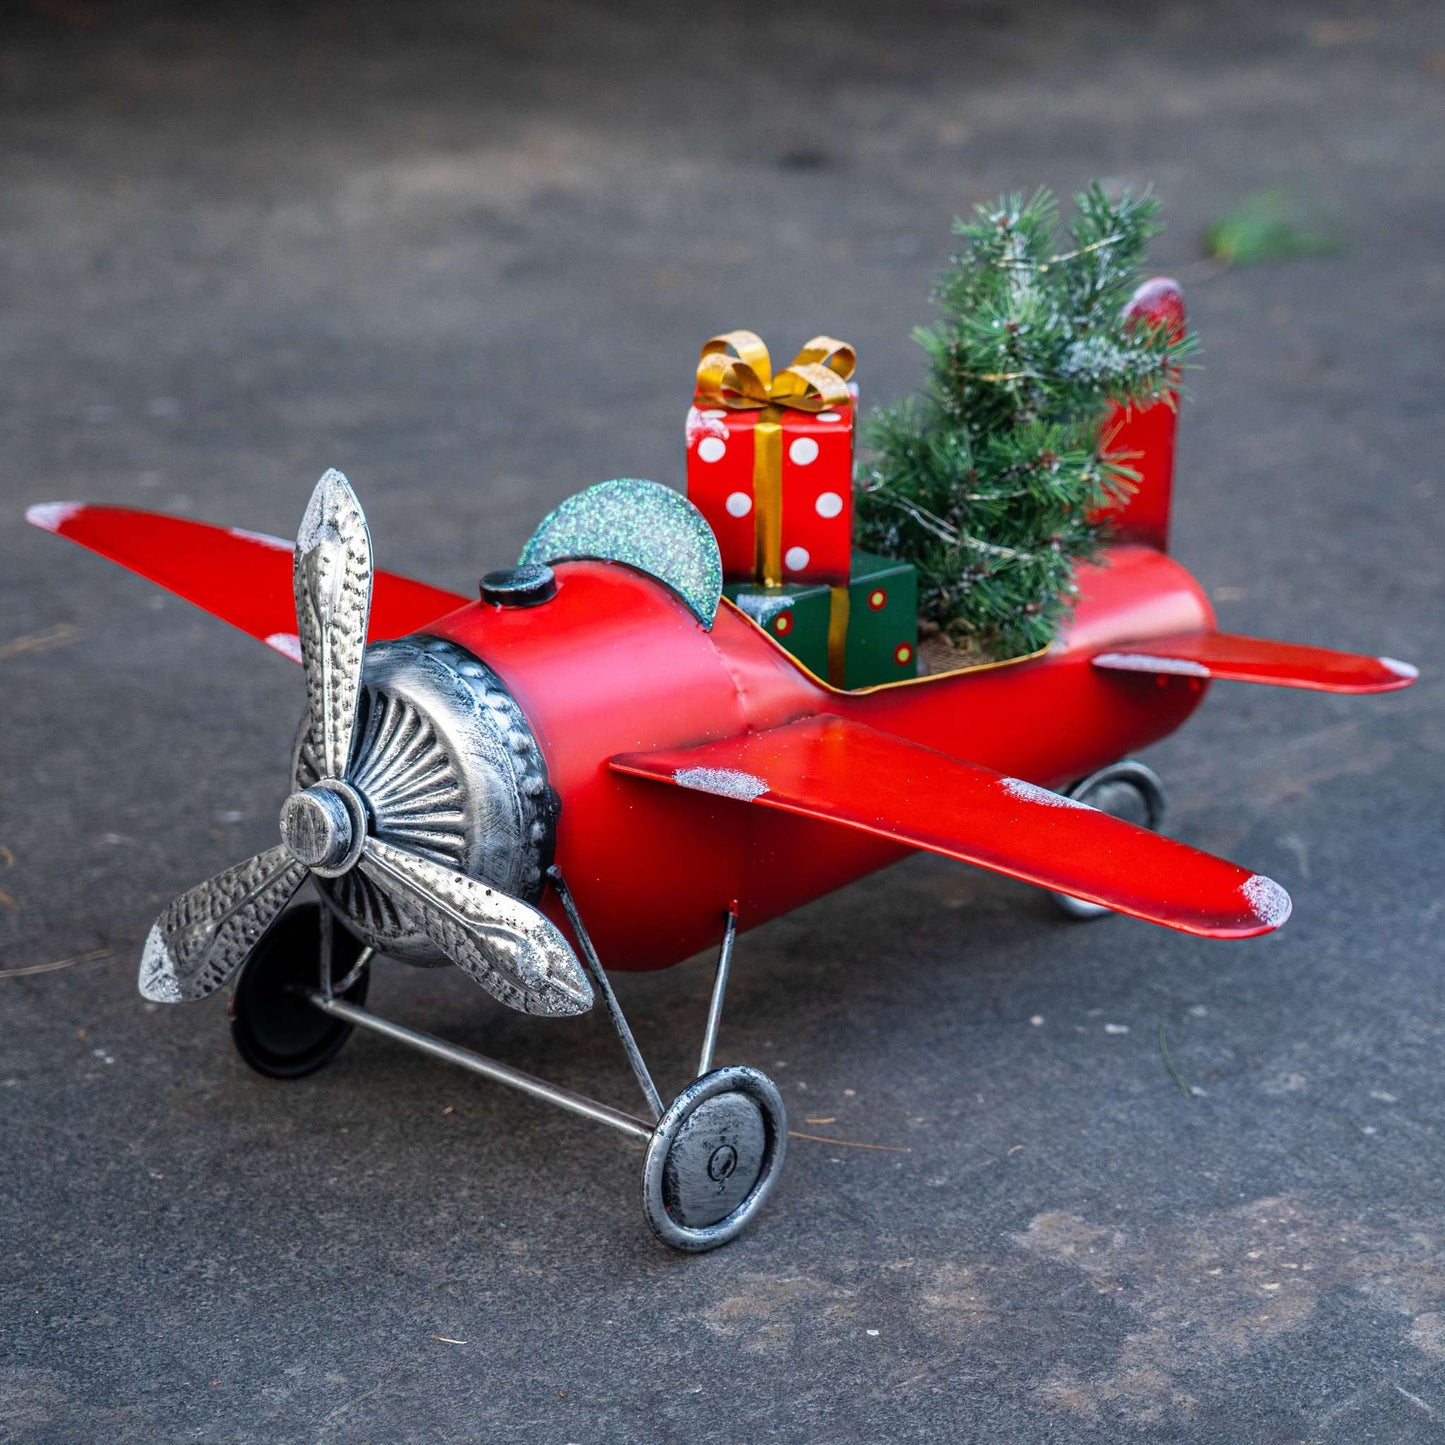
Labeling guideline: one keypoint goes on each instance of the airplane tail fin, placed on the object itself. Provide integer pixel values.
(1148, 433)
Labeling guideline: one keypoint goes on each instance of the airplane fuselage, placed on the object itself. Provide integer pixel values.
(615, 663)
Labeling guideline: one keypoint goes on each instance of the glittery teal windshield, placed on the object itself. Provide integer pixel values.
(645, 525)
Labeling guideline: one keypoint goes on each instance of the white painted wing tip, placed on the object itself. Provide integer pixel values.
(1145, 662)
(1269, 902)
(288, 644)
(52, 516)
(1032, 793)
(265, 539)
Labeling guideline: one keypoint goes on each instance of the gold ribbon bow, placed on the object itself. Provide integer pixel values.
(735, 371)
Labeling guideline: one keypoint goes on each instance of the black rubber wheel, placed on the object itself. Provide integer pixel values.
(274, 1028)
(1126, 790)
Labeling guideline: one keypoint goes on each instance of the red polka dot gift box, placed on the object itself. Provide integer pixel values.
(770, 459)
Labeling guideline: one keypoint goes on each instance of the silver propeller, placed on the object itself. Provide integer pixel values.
(504, 944)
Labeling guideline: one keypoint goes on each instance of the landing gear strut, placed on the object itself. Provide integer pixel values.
(713, 1154)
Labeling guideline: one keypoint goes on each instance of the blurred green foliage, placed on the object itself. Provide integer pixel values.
(1270, 226)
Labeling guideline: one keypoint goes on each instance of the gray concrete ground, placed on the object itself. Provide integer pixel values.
(467, 253)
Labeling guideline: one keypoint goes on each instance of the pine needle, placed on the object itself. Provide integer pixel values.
(1169, 1064)
(846, 1143)
(59, 963)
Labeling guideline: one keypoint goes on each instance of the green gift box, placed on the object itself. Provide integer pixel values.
(856, 636)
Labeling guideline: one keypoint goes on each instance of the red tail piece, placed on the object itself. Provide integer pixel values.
(1148, 433)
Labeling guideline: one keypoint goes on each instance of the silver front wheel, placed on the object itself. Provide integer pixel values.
(714, 1158)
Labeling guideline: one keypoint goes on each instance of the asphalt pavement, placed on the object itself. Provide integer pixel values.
(1134, 1186)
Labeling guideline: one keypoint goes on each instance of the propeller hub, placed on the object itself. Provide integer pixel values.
(324, 826)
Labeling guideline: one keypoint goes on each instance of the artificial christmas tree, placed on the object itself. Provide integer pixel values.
(998, 479)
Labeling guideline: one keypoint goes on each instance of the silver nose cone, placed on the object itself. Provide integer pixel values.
(324, 826)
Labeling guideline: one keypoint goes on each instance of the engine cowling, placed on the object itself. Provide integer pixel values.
(446, 766)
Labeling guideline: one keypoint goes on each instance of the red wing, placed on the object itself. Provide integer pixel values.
(1253, 659)
(850, 774)
(242, 577)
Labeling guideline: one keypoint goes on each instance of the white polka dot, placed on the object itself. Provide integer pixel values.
(822, 416)
(715, 415)
(712, 449)
(739, 504)
(803, 451)
(796, 558)
(829, 504)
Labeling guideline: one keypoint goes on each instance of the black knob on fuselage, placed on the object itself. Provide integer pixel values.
(526, 586)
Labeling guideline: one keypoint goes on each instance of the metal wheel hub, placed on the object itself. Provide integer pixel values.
(714, 1161)
(1121, 799)
(714, 1158)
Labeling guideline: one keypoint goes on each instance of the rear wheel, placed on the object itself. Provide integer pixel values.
(274, 1027)
(1126, 790)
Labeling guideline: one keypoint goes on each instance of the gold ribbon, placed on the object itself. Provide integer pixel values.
(735, 371)
(838, 609)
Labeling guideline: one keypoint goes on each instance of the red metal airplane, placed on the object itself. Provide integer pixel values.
(601, 764)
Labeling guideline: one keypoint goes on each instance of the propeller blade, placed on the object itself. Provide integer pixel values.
(332, 580)
(515, 953)
(206, 934)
